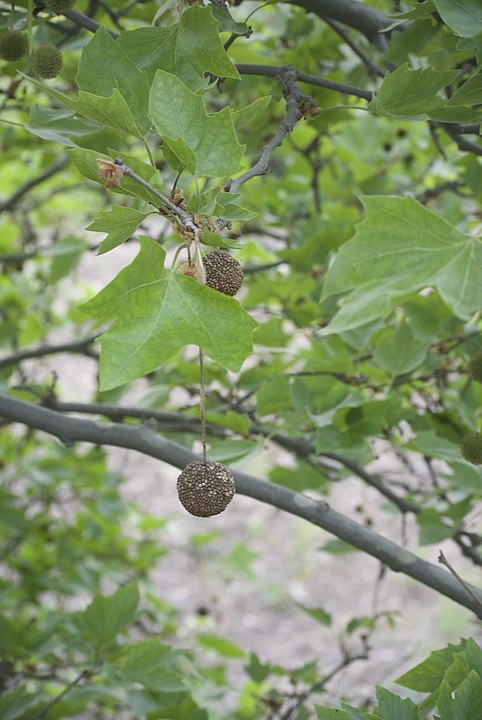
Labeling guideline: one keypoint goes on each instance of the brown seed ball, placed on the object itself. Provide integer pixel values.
(13, 46)
(223, 273)
(474, 367)
(471, 447)
(47, 62)
(205, 489)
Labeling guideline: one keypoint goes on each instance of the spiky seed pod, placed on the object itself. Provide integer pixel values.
(59, 6)
(474, 367)
(205, 489)
(471, 447)
(223, 273)
(13, 46)
(47, 62)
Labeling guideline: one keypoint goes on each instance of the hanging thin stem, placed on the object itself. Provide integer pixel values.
(175, 183)
(149, 154)
(202, 403)
(184, 246)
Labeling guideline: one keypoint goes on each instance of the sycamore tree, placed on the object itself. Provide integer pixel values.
(300, 185)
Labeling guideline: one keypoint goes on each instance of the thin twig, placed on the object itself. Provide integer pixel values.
(464, 144)
(56, 167)
(364, 56)
(85, 674)
(320, 684)
(168, 206)
(295, 100)
(443, 561)
(82, 347)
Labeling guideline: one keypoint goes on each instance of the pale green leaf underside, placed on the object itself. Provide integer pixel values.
(410, 94)
(465, 703)
(157, 313)
(179, 114)
(119, 224)
(469, 93)
(399, 248)
(111, 111)
(463, 16)
(59, 125)
(105, 67)
(188, 49)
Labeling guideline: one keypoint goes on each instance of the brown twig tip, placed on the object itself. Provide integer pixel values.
(111, 172)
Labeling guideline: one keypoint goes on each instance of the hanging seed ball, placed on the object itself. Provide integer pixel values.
(13, 46)
(471, 447)
(223, 273)
(47, 62)
(59, 6)
(474, 367)
(205, 489)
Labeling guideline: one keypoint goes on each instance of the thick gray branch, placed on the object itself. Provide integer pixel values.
(364, 18)
(70, 430)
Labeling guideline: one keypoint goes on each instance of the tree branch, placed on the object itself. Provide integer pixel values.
(372, 67)
(174, 422)
(56, 167)
(72, 430)
(273, 71)
(462, 142)
(82, 347)
(296, 104)
(357, 15)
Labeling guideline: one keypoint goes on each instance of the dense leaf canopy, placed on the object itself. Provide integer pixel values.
(331, 147)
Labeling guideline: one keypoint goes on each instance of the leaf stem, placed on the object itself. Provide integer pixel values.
(443, 561)
(149, 153)
(202, 403)
(43, 711)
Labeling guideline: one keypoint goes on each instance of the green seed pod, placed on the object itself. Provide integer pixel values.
(13, 46)
(59, 6)
(471, 447)
(474, 368)
(47, 62)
